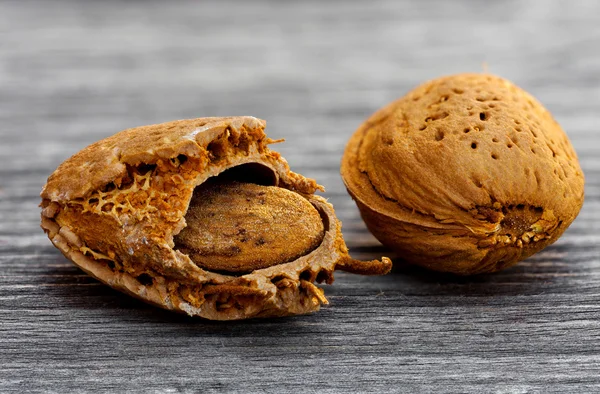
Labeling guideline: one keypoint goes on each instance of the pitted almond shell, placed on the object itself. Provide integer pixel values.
(466, 174)
(115, 207)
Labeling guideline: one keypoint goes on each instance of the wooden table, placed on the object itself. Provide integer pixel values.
(74, 72)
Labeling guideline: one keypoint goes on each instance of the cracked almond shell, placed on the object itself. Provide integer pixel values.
(115, 207)
(465, 174)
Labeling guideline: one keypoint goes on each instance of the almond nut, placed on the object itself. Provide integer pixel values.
(257, 237)
(242, 227)
(464, 174)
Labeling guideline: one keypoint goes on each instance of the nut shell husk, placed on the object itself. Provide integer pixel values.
(118, 221)
(465, 174)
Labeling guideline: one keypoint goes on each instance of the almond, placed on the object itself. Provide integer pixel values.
(198, 216)
(465, 174)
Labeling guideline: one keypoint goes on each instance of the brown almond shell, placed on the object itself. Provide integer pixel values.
(114, 208)
(464, 174)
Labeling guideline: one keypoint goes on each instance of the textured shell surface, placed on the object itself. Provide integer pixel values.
(466, 173)
(121, 223)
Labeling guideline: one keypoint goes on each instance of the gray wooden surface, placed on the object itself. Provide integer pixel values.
(72, 72)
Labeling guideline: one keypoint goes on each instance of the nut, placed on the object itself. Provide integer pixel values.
(198, 216)
(242, 227)
(464, 174)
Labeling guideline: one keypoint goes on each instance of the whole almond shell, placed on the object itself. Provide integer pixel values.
(464, 174)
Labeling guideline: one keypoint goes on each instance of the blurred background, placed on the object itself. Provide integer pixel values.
(73, 72)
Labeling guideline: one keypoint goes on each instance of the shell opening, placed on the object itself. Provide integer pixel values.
(249, 173)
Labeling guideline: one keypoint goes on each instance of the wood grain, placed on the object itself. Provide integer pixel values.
(74, 72)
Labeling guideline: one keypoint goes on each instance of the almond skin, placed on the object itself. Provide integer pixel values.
(465, 174)
(242, 227)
